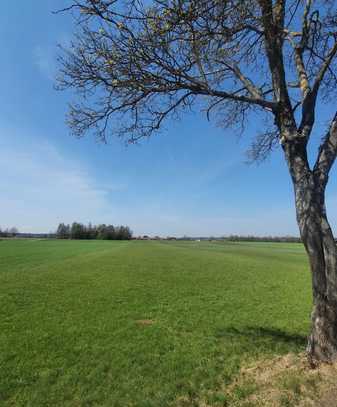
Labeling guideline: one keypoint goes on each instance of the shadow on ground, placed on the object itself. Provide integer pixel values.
(271, 338)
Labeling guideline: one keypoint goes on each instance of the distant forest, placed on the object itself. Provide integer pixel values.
(9, 232)
(287, 239)
(103, 232)
(110, 232)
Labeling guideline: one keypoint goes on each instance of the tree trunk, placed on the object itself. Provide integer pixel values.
(319, 243)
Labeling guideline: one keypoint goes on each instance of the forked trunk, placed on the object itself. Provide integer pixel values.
(319, 242)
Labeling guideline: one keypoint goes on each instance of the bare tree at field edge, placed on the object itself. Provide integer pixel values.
(136, 64)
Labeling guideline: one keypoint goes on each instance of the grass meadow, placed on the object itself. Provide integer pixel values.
(144, 323)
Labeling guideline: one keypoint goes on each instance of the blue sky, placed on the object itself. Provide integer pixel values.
(191, 179)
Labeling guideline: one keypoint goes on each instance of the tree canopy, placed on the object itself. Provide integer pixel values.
(137, 64)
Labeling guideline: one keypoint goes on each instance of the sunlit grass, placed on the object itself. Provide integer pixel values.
(72, 328)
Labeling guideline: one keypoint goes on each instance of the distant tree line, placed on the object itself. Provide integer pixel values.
(238, 238)
(9, 232)
(104, 232)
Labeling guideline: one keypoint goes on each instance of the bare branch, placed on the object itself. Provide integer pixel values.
(325, 66)
(309, 102)
(136, 64)
(262, 146)
(327, 153)
(249, 85)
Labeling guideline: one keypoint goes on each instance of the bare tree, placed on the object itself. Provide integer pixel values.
(136, 64)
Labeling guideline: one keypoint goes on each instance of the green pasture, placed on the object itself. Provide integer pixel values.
(144, 323)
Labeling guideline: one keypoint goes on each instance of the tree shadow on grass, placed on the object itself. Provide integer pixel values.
(266, 339)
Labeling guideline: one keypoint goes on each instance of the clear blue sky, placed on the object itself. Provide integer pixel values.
(191, 179)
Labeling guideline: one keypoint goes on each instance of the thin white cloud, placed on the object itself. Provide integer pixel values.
(40, 188)
(44, 59)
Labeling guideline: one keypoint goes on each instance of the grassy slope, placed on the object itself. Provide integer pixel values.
(68, 312)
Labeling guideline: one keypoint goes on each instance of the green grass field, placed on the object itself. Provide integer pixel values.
(99, 323)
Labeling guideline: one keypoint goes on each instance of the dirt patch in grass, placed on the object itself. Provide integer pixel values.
(145, 322)
(286, 381)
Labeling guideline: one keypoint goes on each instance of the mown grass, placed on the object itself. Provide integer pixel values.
(72, 313)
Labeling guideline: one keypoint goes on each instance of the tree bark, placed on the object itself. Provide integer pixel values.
(317, 237)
